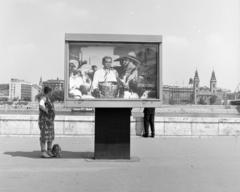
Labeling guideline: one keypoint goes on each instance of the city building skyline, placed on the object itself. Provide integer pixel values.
(194, 92)
(55, 84)
(177, 94)
(20, 89)
(172, 94)
(205, 92)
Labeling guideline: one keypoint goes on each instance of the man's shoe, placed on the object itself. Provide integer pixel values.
(153, 135)
(145, 135)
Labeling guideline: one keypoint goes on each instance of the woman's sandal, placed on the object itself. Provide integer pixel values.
(50, 153)
(45, 155)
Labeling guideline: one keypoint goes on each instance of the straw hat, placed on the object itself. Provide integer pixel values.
(131, 56)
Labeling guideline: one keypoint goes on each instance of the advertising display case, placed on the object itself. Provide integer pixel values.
(113, 71)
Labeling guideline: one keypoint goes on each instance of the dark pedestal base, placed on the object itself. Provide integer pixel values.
(112, 133)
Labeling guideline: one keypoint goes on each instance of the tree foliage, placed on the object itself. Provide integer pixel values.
(202, 101)
(15, 99)
(238, 108)
(57, 95)
(190, 81)
(171, 101)
(238, 95)
(213, 99)
(218, 102)
(27, 99)
(3, 98)
(39, 96)
(191, 99)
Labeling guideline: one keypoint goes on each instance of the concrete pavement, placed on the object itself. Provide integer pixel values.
(166, 164)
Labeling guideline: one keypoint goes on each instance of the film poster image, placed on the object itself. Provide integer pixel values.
(112, 71)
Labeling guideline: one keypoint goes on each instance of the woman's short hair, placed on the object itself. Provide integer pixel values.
(106, 57)
(46, 90)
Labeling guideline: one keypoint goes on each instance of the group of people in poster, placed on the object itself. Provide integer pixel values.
(121, 81)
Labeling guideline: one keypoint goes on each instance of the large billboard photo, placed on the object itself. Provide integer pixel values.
(112, 71)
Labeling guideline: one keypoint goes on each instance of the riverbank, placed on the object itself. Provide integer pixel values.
(165, 109)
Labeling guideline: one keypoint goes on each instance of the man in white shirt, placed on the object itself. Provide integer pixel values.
(104, 75)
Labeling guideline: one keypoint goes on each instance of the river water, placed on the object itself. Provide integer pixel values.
(31, 112)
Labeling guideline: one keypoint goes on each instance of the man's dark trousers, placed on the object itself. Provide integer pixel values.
(149, 114)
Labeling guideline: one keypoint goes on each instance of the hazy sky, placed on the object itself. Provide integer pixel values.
(197, 34)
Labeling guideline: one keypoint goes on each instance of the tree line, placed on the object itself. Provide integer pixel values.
(57, 95)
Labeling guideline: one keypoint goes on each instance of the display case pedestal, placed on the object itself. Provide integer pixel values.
(112, 133)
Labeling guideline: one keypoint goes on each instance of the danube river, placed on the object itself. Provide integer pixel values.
(35, 112)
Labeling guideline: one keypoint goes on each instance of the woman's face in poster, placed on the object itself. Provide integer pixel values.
(71, 67)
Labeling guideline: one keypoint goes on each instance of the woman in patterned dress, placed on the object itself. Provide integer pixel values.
(46, 123)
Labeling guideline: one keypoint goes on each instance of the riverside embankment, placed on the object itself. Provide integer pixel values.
(169, 121)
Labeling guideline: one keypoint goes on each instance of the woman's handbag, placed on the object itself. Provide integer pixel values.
(56, 150)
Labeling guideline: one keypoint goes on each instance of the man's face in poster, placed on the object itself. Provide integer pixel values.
(107, 62)
(126, 61)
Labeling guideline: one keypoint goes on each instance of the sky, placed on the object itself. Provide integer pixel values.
(202, 35)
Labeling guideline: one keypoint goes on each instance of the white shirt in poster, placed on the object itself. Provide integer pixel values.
(102, 75)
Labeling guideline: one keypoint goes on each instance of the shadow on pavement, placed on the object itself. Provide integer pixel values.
(65, 154)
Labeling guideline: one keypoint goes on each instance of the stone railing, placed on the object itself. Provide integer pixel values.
(163, 109)
(23, 125)
(184, 126)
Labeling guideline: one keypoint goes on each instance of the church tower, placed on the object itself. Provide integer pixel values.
(40, 83)
(195, 87)
(213, 83)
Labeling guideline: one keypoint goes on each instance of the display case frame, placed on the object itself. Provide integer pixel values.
(113, 102)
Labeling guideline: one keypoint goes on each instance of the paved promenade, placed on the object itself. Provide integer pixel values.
(165, 164)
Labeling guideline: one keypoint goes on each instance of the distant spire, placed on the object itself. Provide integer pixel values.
(213, 78)
(40, 82)
(196, 74)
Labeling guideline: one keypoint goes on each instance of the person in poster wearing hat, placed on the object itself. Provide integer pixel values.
(77, 77)
(73, 81)
(129, 74)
